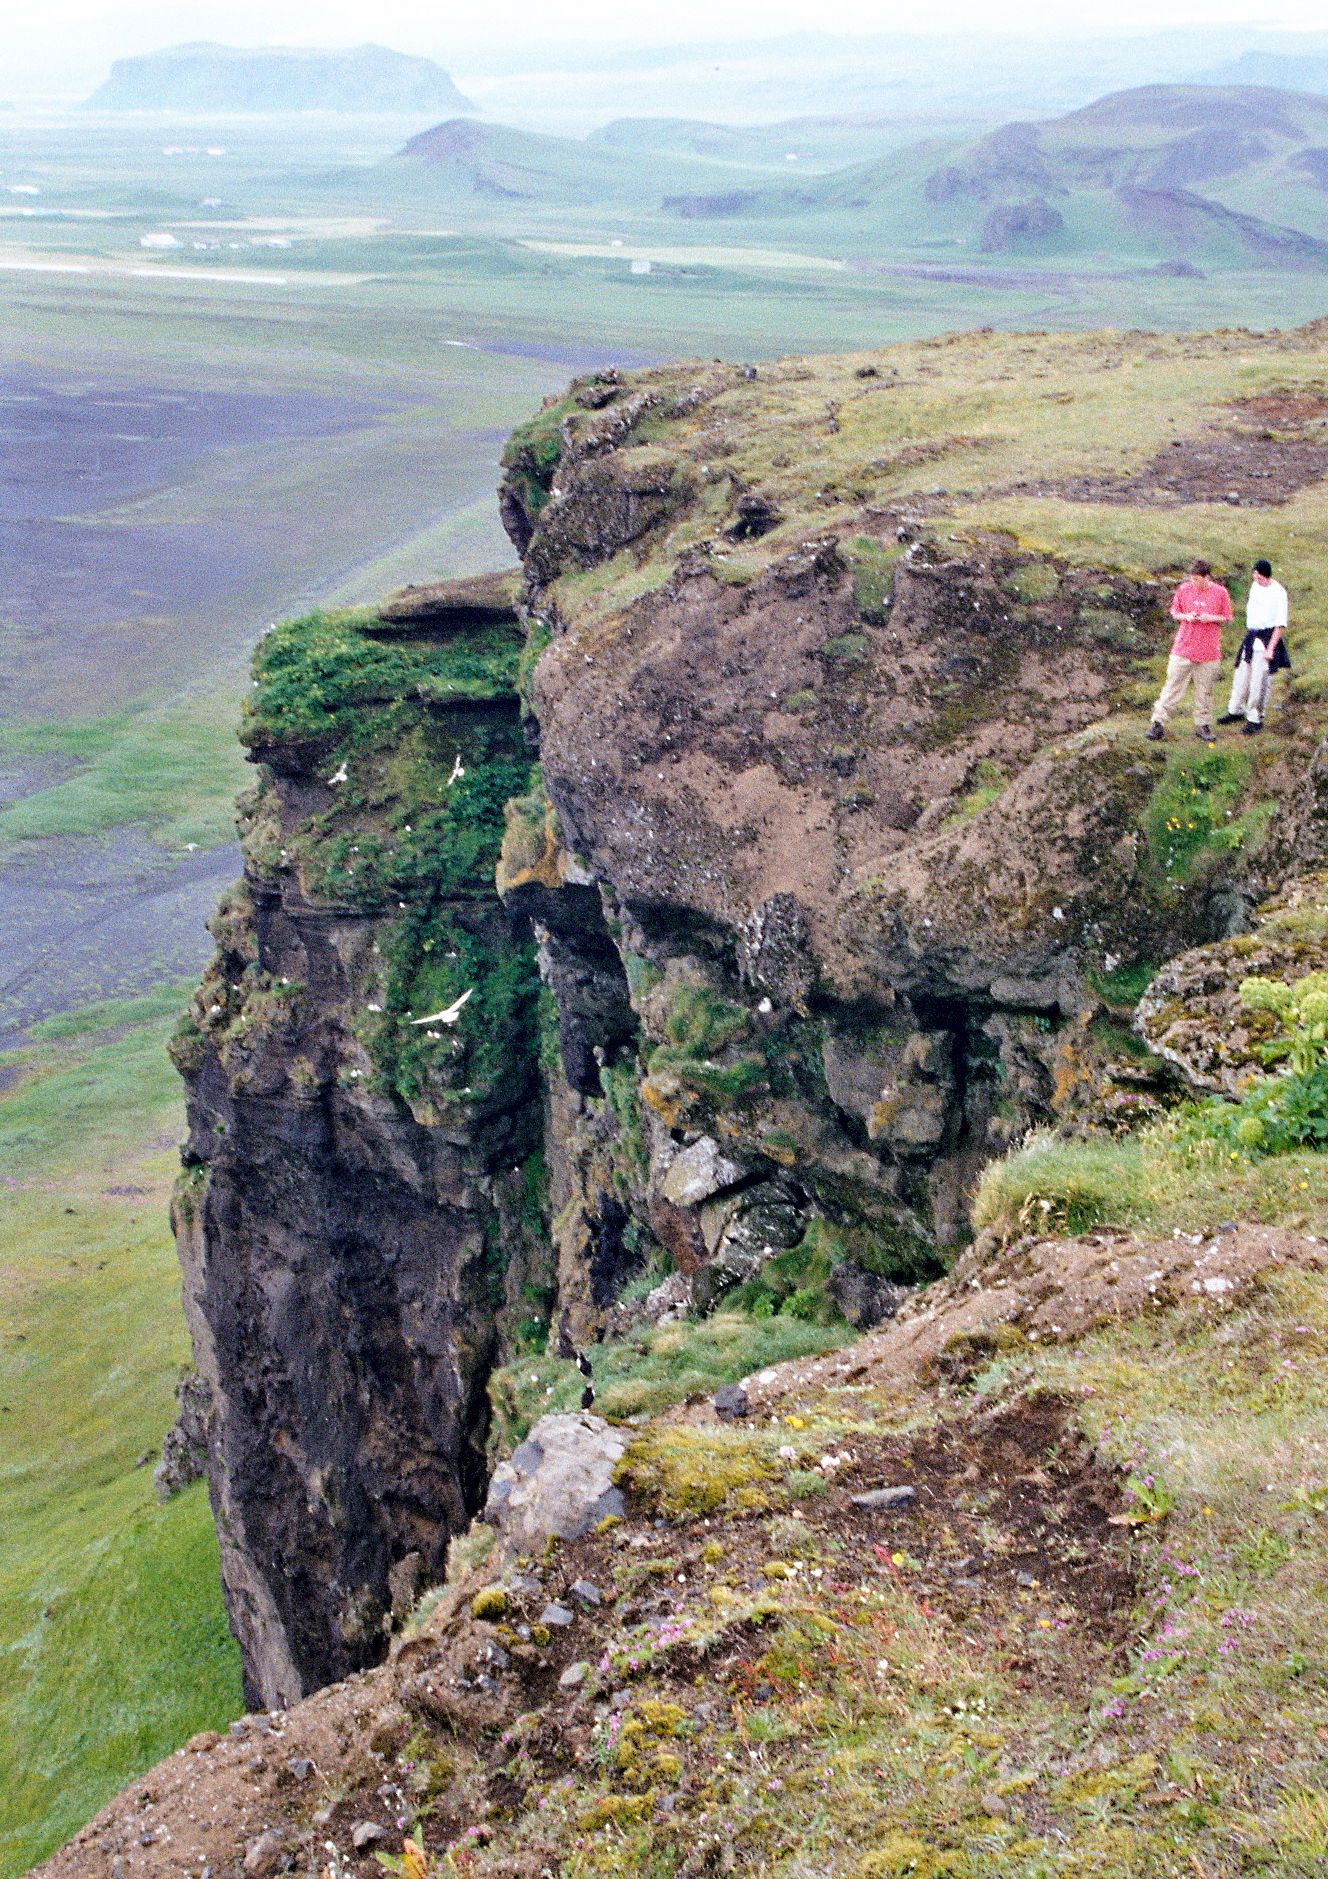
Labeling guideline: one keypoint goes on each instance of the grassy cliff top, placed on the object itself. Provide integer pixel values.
(1123, 451)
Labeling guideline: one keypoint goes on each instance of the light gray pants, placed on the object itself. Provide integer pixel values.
(1251, 685)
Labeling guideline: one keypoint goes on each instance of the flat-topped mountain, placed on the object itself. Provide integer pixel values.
(203, 76)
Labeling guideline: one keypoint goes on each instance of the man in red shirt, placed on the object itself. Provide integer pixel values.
(1201, 608)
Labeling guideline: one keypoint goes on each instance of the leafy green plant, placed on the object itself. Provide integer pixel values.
(1280, 1113)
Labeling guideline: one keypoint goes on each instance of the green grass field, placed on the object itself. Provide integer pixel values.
(115, 1644)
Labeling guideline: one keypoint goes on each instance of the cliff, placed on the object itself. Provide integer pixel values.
(830, 858)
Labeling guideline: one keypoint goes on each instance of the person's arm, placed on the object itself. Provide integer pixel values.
(1176, 612)
(1278, 633)
(1218, 609)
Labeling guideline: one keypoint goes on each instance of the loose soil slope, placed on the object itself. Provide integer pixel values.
(1055, 1655)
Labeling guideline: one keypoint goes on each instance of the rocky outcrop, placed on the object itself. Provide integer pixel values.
(691, 920)
(560, 1481)
(363, 1126)
(1192, 1014)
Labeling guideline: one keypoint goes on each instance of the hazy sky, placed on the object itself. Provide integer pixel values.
(78, 38)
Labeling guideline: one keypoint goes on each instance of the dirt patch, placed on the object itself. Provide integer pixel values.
(1011, 1543)
(1283, 410)
(1043, 1291)
(1274, 448)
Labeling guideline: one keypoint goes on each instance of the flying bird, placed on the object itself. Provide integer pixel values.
(449, 1014)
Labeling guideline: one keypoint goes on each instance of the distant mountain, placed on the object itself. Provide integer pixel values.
(492, 161)
(1186, 178)
(206, 77)
(1283, 71)
(1220, 176)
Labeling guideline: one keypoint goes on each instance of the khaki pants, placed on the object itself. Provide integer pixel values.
(1179, 674)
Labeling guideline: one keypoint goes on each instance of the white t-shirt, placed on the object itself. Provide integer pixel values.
(1266, 607)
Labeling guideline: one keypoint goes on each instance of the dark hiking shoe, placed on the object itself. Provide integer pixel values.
(1252, 729)
(1156, 732)
(1204, 733)
(1231, 717)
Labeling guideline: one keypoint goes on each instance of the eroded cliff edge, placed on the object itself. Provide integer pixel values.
(841, 865)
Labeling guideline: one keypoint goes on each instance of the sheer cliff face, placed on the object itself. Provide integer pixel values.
(843, 864)
(880, 844)
(356, 1181)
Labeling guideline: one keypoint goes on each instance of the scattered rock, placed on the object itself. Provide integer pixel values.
(885, 1497)
(366, 1833)
(697, 1173)
(263, 1855)
(405, 1582)
(574, 1676)
(556, 1615)
(301, 1768)
(1026, 1580)
(731, 1401)
(587, 1593)
(865, 1298)
(558, 1481)
(995, 1805)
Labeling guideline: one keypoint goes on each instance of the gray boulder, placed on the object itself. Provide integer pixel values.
(558, 1481)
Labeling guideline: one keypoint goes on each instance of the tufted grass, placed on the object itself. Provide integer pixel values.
(643, 1375)
(1145, 1182)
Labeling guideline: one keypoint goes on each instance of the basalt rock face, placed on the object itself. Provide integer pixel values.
(350, 1173)
(878, 847)
(678, 925)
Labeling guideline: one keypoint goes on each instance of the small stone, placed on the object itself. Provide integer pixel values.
(1025, 1579)
(587, 1593)
(497, 1656)
(239, 1729)
(322, 1816)
(200, 1744)
(573, 1676)
(301, 1768)
(995, 1805)
(522, 1582)
(556, 1615)
(366, 1833)
(731, 1401)
(263, 1855)
(885, 1497)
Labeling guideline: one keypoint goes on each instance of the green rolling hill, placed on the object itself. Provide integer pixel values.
(1181, 177)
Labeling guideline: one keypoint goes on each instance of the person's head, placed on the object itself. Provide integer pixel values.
(1200, 571)
(1263, 572)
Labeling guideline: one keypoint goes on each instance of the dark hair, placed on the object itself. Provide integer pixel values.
(1200, 567)
(1265, 568)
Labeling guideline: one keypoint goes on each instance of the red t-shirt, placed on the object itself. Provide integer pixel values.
(1200, 640)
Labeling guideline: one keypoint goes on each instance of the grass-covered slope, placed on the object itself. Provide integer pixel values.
(116, 1645)
(1089, 1640)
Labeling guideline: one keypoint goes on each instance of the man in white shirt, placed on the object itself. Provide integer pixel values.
(1262, 651)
